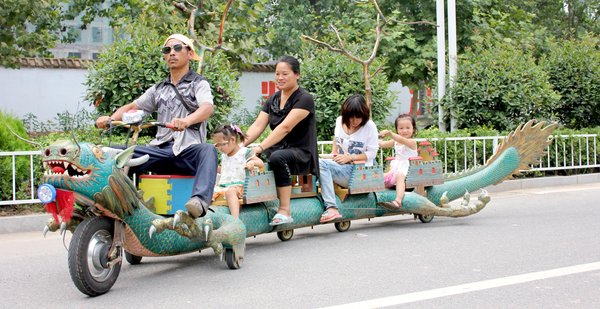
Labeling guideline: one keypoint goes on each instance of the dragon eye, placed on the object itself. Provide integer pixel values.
(47, 152)
(98, 152)
(63, 151)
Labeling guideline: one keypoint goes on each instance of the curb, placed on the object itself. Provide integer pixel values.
(32, 223)
(28, 223)
(529, 183)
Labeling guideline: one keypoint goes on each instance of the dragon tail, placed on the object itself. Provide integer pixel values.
(518, 150)
(530, 141)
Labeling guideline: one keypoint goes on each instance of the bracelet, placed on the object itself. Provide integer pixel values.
(261, 148)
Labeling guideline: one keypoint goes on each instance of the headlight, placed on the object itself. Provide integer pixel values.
(46, 193)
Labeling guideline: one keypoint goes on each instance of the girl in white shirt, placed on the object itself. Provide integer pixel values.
(235, 159)
(355, 141)
(404, 147)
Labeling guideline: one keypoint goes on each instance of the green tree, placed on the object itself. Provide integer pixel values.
(500, 86)
(331, 78)
(574, 70)
(567, 19)
(241, 22)
(409, 50)
(28, 29)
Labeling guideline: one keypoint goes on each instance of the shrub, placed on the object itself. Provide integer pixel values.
(331, 78)
(500, 86)
(574, 70)
(8, 142)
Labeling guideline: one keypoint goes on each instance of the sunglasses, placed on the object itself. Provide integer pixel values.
(176, 47)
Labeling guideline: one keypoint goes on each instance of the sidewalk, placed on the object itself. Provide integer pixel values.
(31, 223)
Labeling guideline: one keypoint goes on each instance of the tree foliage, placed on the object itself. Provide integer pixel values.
(332, 78)
(9, 142)
(28, 29)
(410, 57)
(241, 23)
(574, 70)
(500, 86)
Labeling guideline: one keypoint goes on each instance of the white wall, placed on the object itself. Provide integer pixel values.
(251, 90)
(42, 92)
(402, 103)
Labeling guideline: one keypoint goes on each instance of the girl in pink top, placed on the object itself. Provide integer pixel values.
(404, 147)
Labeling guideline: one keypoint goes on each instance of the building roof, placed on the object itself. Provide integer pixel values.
(75, 63)
(261, 67)
(55, 63)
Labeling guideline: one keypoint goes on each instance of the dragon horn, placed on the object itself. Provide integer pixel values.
(138, 161)
(112, 152)
(24, 139)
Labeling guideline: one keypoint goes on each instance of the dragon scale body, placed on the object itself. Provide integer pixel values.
(489, 175)
(101, 188)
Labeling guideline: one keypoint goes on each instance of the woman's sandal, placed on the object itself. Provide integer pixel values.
(393, 205)
(328, 216)
(280, 219)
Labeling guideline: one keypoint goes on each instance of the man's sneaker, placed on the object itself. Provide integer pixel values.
(196, 207)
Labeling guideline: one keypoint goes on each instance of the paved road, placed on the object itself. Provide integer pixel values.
(535, 248)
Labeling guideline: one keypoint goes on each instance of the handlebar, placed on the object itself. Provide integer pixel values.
(136, 127)
(141, 125)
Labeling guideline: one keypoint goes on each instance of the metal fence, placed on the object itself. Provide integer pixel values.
(13, 155)
(566, 152)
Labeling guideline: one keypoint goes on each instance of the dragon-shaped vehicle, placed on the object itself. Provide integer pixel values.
(87, 191)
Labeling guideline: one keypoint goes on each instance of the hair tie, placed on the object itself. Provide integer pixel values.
(235, 128)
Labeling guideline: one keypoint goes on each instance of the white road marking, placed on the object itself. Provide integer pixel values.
(470, 287)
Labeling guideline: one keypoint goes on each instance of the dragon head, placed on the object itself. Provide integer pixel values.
(84, 168)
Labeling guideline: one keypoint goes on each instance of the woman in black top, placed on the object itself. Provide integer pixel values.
(291, 147)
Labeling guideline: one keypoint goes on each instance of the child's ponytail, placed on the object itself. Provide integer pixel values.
(229, 130)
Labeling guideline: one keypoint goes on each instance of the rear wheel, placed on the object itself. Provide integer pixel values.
(342, 226)
(132, 258)
(285, 235)
(92, 268)
(425, 219)
(230, 258)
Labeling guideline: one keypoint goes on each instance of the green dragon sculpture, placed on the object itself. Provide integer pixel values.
(101, 188)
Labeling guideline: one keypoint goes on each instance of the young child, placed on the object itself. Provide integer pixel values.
(404, 147)
(234, 160)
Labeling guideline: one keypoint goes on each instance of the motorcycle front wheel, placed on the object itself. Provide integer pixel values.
(89, 257)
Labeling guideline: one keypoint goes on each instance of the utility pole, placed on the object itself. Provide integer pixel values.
(441, 65)
(452, 53)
